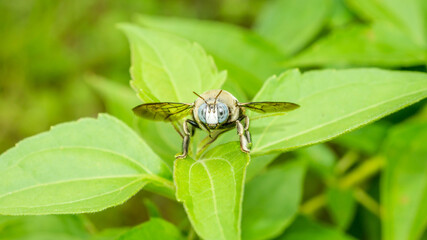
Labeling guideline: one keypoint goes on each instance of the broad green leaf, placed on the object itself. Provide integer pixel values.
(272, 200)
(303, 228)
(360, 45)
(332, 102)
(81, 166)
(248, 58)
(341, 205)
(410, 16)
(154, 229)
(63, 227)
(367, 139)
(168, 68)
(291, 24)
(404, 183)
(211, 190)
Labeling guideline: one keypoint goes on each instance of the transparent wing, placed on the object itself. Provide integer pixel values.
(163, 111)
(270, 107)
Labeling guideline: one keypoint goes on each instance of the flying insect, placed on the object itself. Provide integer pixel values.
(215, 111)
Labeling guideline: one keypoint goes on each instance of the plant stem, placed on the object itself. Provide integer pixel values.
(367, 201)
(363, 172)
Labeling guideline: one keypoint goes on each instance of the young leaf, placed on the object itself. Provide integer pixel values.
(291, 24)
(211, 190)
(404, 183)
(63, 227)
(332, 102)
(303, 228)
(76, 167)
(168, 68)
(248, 58)
(272, 200)
(154, 229)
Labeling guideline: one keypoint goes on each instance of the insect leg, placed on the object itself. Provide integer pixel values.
(185, 141)
(247, 133)
(243, 141)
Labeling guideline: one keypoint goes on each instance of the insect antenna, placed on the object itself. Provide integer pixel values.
(200, 97)
(217, 97)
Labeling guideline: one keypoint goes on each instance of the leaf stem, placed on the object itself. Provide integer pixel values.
(367, 201)
(363, 172)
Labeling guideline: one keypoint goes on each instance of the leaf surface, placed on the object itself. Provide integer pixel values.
(81, 166)
(248, 58)
(272, 200)
(168, 68)
(211, 190)
(154, 229)
(332, 102)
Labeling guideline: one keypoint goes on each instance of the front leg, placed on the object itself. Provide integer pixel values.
(185, 141)
(243, 140)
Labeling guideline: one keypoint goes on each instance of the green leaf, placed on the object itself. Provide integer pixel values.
(164, 66)
(292, 24)
(212, 191)
(410, 16)
(404, 183)
(76, 167)
(42, 228)
(154, 229)
(332, 103)
(272, 200)
(109, 234)
(248, 58)
(341, 205)
(119, 100)
(320, 158)
(360, 45)
(304, 228)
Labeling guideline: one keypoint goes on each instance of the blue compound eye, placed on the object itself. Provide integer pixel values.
(222, 112)
(202, 113)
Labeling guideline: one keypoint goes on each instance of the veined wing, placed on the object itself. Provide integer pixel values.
(270, 107)
(163, 111)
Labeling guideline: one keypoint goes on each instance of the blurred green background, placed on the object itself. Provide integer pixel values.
(49, 48)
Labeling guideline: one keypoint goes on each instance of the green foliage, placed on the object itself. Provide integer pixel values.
(404, 191)
(333, 102)
(272, 200)
(212, 191)
(155, 229)
(102, 162)
(365, 184)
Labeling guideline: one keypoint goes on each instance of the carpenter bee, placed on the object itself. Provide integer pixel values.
(215, 111)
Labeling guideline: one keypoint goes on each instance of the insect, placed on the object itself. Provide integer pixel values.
(215, 111)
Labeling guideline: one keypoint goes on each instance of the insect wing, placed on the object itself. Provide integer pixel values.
(163, 111)
(270, 107)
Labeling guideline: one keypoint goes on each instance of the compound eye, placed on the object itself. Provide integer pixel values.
(202, 113)
(222, 112)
